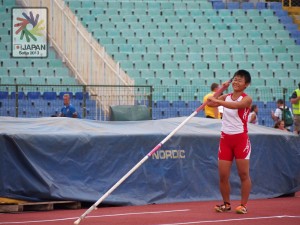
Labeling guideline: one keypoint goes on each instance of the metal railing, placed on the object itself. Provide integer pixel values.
(47, 100)
(291, 3)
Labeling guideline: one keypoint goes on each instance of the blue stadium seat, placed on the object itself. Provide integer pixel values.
(295, 34)
(34, 95)
(275, 5)
(10, 111)
(178, 104)
(162, 104)
(233, 5)
(219, 5)
(261, 5)
(21, 95)
(156, 114)
(79, 95)
(3, 94)
(286, 20)
(281, 12)
(247, 5)
(271, 105)
(193, 104)
(185, 111)
(291, 26)
(49, 95)
(260, 104)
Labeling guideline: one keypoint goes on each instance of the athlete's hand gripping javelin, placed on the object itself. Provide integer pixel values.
(212, 101)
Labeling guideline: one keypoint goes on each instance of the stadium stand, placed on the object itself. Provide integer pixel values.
(29, 71)
(175, 43)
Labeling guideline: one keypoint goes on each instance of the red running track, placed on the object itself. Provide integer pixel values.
(276, 211)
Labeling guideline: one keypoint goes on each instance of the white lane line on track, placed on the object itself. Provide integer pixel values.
(107, 215)
(230, 220)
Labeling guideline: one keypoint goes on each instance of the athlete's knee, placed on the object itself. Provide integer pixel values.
(224, 178)
(244, 175)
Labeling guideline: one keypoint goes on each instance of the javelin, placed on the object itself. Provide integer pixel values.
(157, 147)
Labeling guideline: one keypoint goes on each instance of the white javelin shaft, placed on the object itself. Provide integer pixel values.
(157, 147)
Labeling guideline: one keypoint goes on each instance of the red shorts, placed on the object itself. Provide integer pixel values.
(236, 146)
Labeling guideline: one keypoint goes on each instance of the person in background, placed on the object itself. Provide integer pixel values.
(211, 112)
(253, 116)
(221, 109)
(295, 100)
(68, 110)
(277, 115)
(280, 125)
(234, 140)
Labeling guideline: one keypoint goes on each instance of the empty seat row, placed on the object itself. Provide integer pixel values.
(192, 30)
(246, 5)
(170, 73)
(257, 82)
(43, 95)
(162, 113)
(221, 38)
(45, 63)
(279, 51)
(44, 111)
(34, 72)
(46, 104)
(207, 63)
(212, 73)
(143, 30)
(141, 76)
(126, 20)
(176, 12)
(154, 5)
(205, 46)
(37, 80)
(220, 54)
(202, 37)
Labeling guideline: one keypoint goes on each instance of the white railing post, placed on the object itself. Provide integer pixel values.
(90, 78)
(63, 32)
(77, 46)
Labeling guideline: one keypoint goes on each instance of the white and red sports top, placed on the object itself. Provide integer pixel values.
(234, 121)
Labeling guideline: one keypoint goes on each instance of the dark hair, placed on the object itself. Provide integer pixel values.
(245, 74)
(299, 85)
(253, 107)
(276, 125)
(213, 86)
(279, 101)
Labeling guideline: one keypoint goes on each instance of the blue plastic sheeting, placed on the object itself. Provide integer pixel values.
(71, 159)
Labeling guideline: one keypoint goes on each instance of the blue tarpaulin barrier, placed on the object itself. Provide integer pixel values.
(70, 159)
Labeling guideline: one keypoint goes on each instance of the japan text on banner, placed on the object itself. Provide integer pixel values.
(29, 36)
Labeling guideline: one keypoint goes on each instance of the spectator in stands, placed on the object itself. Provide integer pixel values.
(277, 115)
(68, 110)
(253, 116)
(234, 141)
(212, 112)
(295, 100)
(280, 125)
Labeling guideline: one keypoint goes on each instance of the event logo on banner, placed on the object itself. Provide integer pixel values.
(169, 154)
(29, 36)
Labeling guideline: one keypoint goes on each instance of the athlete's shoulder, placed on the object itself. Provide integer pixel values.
(246, 95)
(227, 97)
